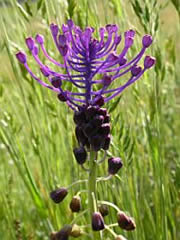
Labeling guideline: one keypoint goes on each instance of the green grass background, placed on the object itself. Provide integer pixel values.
(37, 132)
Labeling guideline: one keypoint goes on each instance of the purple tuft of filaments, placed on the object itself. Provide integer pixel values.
(88, 61)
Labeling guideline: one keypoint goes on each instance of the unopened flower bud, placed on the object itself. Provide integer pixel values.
(70, 23)
(91, 111)
(99, 101)
(96, 142)
(82, 139)
(102, 111)
(79, 117)
(75, 204)
(107, 118)
(63, 50)
(80, 155)
(98, 120)
(30, 43)
(147, 41)
(104, 210)
(114, 164)
(130, 33)
(135, 70)
(105, 129)
(21, 57)
(128, 42)
(54, 29)
(125, 222)
(62, 40)
(56, 82)
(76, 231)
(97, 221)
(44, 71)
(63, 234)
(88, 129)
(59, 194)
(106, 80)
(122, 61)
(39, 39)
(62, 97)
(149, 61)
(107, 142)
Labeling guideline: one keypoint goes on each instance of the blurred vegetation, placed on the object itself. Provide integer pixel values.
(37, 132)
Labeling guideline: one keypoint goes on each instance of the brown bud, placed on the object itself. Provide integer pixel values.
(59, 194)
(97, 221)
(125, 222)
(104, 210)
(75, 204)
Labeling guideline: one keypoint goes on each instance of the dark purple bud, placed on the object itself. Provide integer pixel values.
(98, 120)
(63, 50)
(62, 40)
(88, 129)
(45, 72)
(128, 42)
(65, 28)
(105, 129)
(59, 194)
(102, 111)
(104, 210)
(91, 111)
(79, 117)
(82, 139)
(56, 82)
(107, 118)
(96, 142)
(39, 39)
(75, 204)
(147, 41)
(135, 70)
(149, 61)
(97, 221)
(21, 57)
(80, 155)
(62, 97)
(99, 101)
(114, 164)
(106, 80)
(54, 29)
(30, 43)
(107, 142)
(122, 61)
(125, 222)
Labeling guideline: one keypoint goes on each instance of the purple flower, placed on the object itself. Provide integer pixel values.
(88, 62)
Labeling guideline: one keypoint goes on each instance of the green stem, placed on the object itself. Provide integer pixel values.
(92, 202)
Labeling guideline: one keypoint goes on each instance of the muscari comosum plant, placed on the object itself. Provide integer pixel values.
(90, 62)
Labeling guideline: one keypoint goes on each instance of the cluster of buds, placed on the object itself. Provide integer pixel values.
(92, 131)
(92, 66)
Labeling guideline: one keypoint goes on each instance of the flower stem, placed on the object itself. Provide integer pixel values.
(92, 201)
